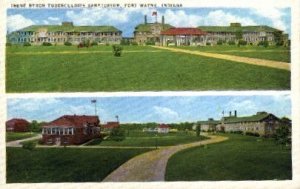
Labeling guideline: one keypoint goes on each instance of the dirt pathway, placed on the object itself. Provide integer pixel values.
(17, 143)
(151, 166)
(246, 60)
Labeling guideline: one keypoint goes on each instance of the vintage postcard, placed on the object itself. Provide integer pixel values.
(110, 94)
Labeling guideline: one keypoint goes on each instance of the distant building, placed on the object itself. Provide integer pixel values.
(163, 128)
(262, 123)
(71, 129)
(149, 32)
(17, 125)
(110, 125)
(66, 32)
(251, 34)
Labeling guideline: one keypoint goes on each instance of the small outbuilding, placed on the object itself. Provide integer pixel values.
(17, 125)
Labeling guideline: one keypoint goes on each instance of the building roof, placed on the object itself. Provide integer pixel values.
(162, 126)
(17, 121)
(147, 27)
(74, 121)
(183, 31)
(70, 28)
(236, 28)
(254, 118)
(111, 124)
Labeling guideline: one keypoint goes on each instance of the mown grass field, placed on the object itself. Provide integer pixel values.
(68, 69)
(64, 165)
(143, 139)
(239, 158)
(282, 54)
(11, 136)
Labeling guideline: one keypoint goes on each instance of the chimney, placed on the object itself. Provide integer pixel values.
(145, 19)
(235, 113)
(229, 113)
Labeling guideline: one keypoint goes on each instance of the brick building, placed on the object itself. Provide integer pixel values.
(66, 32)
(71, 129)
(17, 125)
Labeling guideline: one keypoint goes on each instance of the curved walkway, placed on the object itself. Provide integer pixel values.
(151, 166)
(246, 60)
(17, 143)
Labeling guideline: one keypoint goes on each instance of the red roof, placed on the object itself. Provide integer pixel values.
(183, 31)
(17, 121)
(74, 120)
(163, 126)
(110, 125)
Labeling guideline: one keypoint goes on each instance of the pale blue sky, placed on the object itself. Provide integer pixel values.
(163, 109)
(127, 19)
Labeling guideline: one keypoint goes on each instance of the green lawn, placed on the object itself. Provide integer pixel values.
(281, 54)
(239, 158)
(10, 136)
(142, 139)
(64, 165)
(54, 69)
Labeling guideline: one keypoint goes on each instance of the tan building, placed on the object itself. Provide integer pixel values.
(66, 32)
(149, 32)
(262, 123)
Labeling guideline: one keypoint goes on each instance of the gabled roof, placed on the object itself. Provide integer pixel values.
(111, 124)
(162, 126)
(209, 122)
(183, 31)
(17, 121)
(70, 28)
(147, 27)
(235, 29)
(254, 118)
(74, 121)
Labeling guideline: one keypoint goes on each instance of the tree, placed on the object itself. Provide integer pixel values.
(117, 134)
(282, 135)
(117, 50)
(34, 126)
(278, 38)
(198, 128)
(238, 34)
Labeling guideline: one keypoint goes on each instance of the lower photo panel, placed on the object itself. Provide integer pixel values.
(148, 138)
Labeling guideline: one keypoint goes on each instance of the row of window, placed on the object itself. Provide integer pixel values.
(58, 131)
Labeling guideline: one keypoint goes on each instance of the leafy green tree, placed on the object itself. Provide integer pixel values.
(34, 126)
(278, 38)
(239, 34)
(198, 128)
(282, 135)
(117, 134)
(117, 50)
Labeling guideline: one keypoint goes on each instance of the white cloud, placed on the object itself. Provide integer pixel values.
(53, 18)
(17, 21)
(274, 14)
(46, 22)
(32, 104)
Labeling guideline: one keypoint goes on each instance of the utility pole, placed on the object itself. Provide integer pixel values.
(94, 101)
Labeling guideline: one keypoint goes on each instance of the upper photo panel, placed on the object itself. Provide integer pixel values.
(146, 49)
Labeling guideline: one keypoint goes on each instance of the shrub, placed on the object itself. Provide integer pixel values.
(106, 44)
(242, 42)
(220, 42)
(94, 43)
(125, 42)
(46, 44)
(67, 43)
(117, 50)
(208, 44)
(237, 132)
(8, 44)
(26, 44)
(117, 134)
(231, 42)
(252, 134)
(29, 145)
(263, 43)
(282, 135)
(150, 43)
(134, 43)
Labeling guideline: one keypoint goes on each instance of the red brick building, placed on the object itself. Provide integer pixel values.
(71, 129)
(17, 125)
(110, 125)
